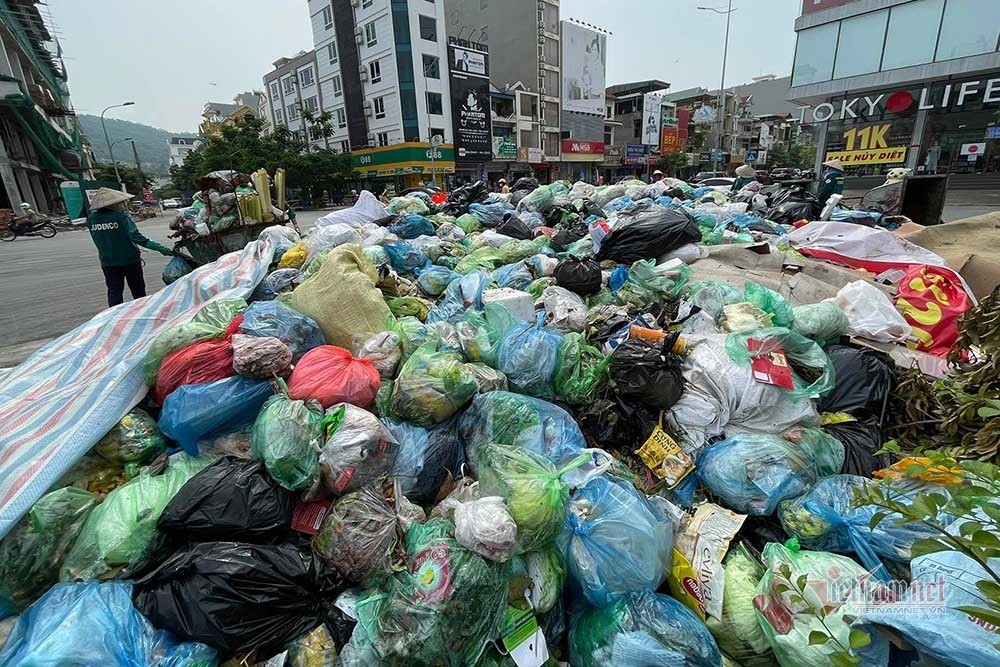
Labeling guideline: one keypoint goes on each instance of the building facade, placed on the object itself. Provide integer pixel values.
(291, 88)
(891, 83)
(180, 147)
(629, 155)
(216, 115)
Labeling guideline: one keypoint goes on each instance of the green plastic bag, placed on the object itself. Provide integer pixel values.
(412, 334)
(408, 306)
(480, 332)
(515, 251)
(812, 371)
(579, 369)
(134, 439)
(712, 296)
(443, 610)
(548, 574)
(738, 633)
(770, 302)
(32, 553)
(531, 486)
(118, 532)
(287, 436)
(383, 399)
(431, 386)
(481, 259)
(468, 223)
(662, 282)
(537, 286)
(824, 322)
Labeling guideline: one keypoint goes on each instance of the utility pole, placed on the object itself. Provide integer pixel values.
(722, 83)
(138, 168)
(107, 140)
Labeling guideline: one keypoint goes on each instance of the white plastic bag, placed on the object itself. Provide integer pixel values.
(366, 209)
(486, 527)
(871, 313)
(565, 310)
(494, 239)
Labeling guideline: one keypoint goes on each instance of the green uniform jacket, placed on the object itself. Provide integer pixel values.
(833, 184)
(739, 183)
(116, 238)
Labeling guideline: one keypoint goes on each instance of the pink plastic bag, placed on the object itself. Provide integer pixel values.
(331, 375)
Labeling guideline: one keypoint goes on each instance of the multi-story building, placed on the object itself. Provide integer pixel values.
(891, 83)
(218, 114)
(516, 123)
(180, 147)
(291, 88)
(40, 139)
(627, 115)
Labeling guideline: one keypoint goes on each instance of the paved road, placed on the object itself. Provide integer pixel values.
(49, 286)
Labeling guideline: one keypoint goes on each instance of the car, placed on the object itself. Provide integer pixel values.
(722, 184)
(170, 203)
(703, 175)
(784, 173)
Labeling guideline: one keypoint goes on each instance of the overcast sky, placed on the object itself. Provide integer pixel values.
(171, 57)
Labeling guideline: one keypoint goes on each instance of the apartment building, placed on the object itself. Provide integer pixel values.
(291, 88)
(180, 147)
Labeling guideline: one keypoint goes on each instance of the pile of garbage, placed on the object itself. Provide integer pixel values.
(632, 425)
(226, 199)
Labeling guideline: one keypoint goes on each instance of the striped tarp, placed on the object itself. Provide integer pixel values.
(57, 404)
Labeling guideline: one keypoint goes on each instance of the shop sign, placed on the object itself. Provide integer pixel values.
(372, 158)
(683, 120)
(973, 149)
(504, 148)
(614, 155)
(868, 145)
(582, 147)
(635, 154)
(530, 155)
(668, 139)
(993, 132)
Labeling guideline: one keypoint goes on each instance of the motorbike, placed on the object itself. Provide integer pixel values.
(15, 228)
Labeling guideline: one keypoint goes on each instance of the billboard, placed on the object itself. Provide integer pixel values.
(468, 69)
(635, 154)
(584, 56)
(651, 119)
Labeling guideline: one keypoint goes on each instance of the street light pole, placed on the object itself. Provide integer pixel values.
(114, 162)
(107, 140)
(138, 167)
(722, 83)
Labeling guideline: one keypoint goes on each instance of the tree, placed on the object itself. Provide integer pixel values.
(105, 171)
(673, 162)
(319, 125)
(799, 156)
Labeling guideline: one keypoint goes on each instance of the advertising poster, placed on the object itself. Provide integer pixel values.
(683, 120)
(584, 56)
(469, 66)
(635, 154)
(651, 119)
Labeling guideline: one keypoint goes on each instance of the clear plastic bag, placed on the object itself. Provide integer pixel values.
(713, 296)
(260, 358)
(871, 314)
(274, 319)
(461, 295)
(383, 349)
(812, 370)
(488, 379)
(824, 322)
(358, 451)
(433, 280)
(358, 536)
(175, 269)
(528, 355)
(197, 412)
(615, 542)
(564, 310)
(426, 458)
(134, 439)
(278, 282)
(286, 436)
(481, 332)
(486, 527)
(431, 386)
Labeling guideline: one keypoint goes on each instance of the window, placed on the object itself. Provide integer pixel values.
(306, 77)
(279, 118)
(437, 131)
(370, 36)
(315, 134)
(366, 4)
(289, 84)
(375, 70)
(379, 105)
(327, 17)
(341, 118)
(912, 34)
(607, 135)
(331, 52)
(345, 146)
(274, 90)
(310, 104)
(338, 87)
(637, 127)
(434, 104)
(969, 27)
(432, 66)
(428, 29)
(814, 54)
(860, 47)
(293, 111)
(383, 138)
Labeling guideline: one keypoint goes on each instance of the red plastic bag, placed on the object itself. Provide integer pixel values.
(207, 361)
(331, 375)
(932, 301)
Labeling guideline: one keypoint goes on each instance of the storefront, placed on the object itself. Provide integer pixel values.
(531, 162)
(581, 160)
(403, 166)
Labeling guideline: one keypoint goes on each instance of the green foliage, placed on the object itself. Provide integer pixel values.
(150, 142)
(105, 171)
(672, 162)
(799, 156)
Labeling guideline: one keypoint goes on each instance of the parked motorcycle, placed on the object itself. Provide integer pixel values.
(15, 228)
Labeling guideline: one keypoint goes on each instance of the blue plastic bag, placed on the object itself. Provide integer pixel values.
(614, 541)
(404, 258)
(89, 624)
(618, 278)
(276, 282)
(194, 412)
(515, 276)
(490, 215)
(412, 226)
(460, 296)
(528, 356)
(175, 269)
(425, 458)
(506, 418)
(618, 204)
(433, 280)
(273, 318)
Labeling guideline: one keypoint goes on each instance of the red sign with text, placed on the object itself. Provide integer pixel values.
(668, 139)
(582, 147)
(683, 120)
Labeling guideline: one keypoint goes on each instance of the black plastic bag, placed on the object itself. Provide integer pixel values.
(865, 379)
(648, 231)
(460, 198)
(232, 499)
(861, 439)
(562, 238)
(525, 183)
(582, 276)
(515, 228)
(238, 597)
(647, 373)
(387, 220)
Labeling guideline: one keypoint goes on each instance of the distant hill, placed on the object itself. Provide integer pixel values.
(151, 142)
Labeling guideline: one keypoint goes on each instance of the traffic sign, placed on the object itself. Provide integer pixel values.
(751, 156)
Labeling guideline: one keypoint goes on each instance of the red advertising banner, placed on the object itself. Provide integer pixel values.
(582, 147)
(668, 139)
(683, 120)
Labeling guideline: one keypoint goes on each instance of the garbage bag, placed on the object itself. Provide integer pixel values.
(641, 630)
(316, 649)
(287, 436)
(175, 269)
(294, 257)
(443, 610)
(412, 334)
(468, 223)
(824, 322)
(865, 380)
(484, 526)
(812, 372)
(431, 386)
(358, 450)
(770, 302)
(433, 280)
(738, 633)
(861, 440)
(426, 458)
(384, 350)
(196, 412)
(564, 310)
(480, 259)
(33, 551)
(515, 228)
(232, 499)
(548, 574)
(118, 532)
(513, 276)
(515, 251)
(490, 215)
(650, 283)
(871, 313)
(487, 379)
(206, 361)
(260, 358)
(330, 375)
(407, 206)
(614, 541)
(412, 226)
(502, 417)
(531, 486)
(273, 319)
(277, 282)
(358, 536)
(323, 238)
(134, 439)
(580, 368)
(95, 625)
(753, 473)
(237, 597)
(646, 372)
(713, 296)
(527, 356)
(404, 258)
(539, 199)
(582, 276)
(461, 295)
(180, 336)
(788, 617)
(648, 231)
(481, 332)
(342, 296)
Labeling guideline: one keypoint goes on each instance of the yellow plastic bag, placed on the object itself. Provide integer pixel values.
(295, 256)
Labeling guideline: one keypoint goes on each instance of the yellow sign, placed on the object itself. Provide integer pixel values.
(892, 155)
(664, 457)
